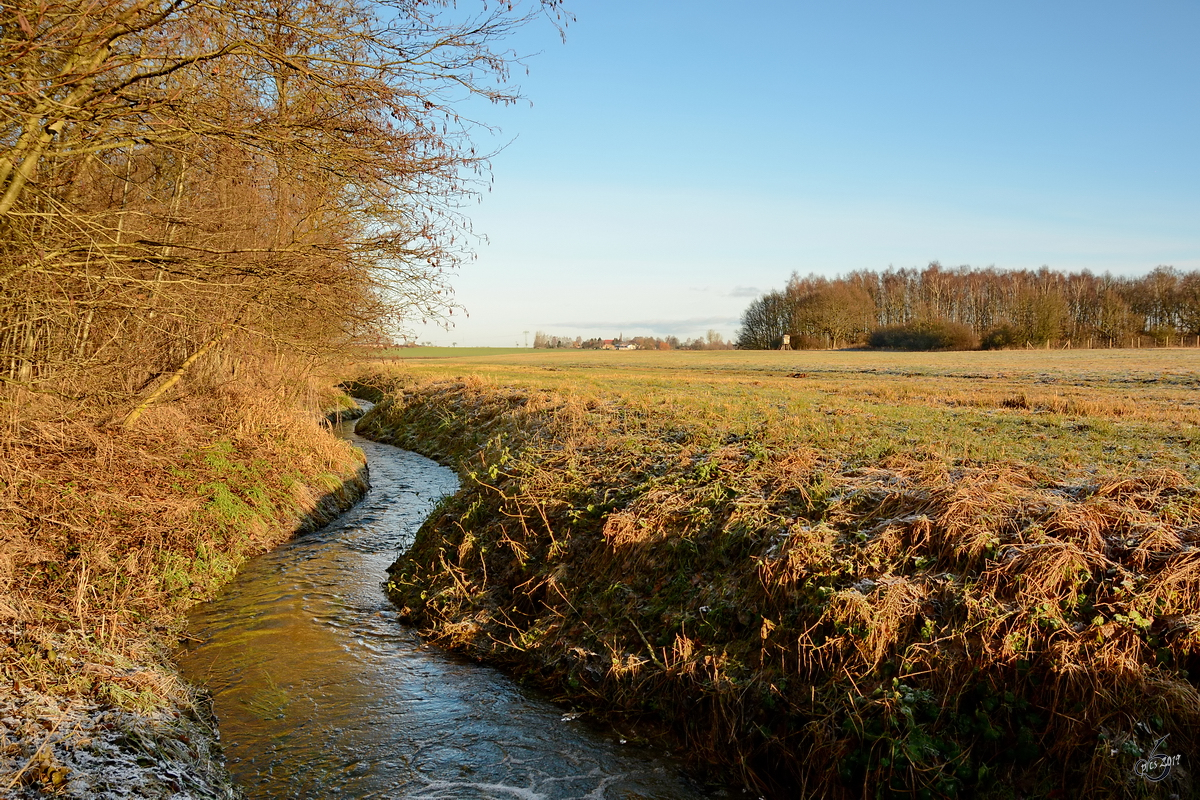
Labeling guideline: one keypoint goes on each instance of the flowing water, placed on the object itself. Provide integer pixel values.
(320, 692)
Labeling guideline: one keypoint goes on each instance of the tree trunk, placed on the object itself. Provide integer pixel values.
(175, 377)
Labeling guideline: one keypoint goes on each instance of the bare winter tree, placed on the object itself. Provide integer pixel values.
(765, 321)
(1003, 308)
(179, 177)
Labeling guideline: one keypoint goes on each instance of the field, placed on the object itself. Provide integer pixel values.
(1070, 413)
(420, 353)
(946, 574)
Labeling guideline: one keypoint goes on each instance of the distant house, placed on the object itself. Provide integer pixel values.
(607, 344)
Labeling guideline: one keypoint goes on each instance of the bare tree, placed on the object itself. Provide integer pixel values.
(177, 176)
(1016, 306)
(765, 321)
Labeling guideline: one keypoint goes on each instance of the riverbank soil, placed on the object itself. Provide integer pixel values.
(107, 535)
(834, 574)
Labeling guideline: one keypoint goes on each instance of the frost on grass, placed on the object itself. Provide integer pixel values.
(807, 616)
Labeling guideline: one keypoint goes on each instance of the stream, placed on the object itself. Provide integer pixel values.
(321, 692)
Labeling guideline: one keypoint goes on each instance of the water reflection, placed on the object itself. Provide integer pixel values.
(321, 693)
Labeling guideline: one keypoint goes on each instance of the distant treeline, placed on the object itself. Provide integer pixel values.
(964, 308)
(710, 341)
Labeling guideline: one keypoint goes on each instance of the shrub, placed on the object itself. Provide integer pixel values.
(929, 335)
(1001, 337)
(1163, 334)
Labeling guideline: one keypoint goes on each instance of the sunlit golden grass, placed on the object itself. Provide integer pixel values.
(108, 535)
(1067, 412)
(951, 574)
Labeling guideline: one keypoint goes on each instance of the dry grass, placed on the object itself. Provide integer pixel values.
(108, 535)
(820, 589)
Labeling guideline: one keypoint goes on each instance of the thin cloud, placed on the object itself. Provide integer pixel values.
(745, 291)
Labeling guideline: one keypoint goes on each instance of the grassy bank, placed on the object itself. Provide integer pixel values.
(109, 535)
(949, 575)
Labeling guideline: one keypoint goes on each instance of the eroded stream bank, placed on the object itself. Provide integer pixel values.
(321, 692)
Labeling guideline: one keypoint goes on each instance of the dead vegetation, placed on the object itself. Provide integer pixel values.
(201, 204)
(108, 534)
(915, 625)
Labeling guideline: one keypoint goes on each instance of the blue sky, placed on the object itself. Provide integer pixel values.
(680, 158)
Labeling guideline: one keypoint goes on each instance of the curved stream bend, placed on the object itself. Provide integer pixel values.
(320, 692)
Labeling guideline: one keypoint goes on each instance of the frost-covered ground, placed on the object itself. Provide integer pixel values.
(89, 752)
